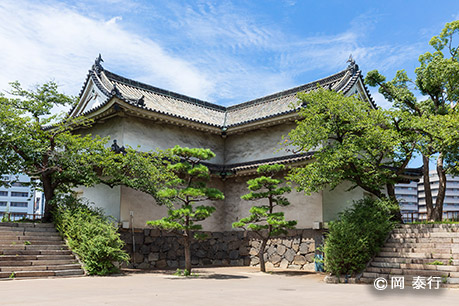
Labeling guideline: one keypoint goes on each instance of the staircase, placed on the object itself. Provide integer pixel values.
(414, 250)
(418, 250)
(34, 250)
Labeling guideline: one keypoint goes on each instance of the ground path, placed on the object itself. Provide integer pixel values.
(214, 286)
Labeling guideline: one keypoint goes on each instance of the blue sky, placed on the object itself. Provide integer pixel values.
(225, 52)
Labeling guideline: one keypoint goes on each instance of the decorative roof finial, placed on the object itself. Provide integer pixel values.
(97, 66)
(353, 67)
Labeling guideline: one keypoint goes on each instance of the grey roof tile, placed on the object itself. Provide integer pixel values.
(181, 106)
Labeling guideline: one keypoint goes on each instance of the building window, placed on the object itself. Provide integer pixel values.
(4, 193)
(19, 194)
(17, 184)
(18, 204)
(2, 203)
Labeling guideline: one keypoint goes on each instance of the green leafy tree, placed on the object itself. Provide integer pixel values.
(147, 172)
(263, 220)
(352, 142)
(54, 156)
(434, 119)
(184, 193)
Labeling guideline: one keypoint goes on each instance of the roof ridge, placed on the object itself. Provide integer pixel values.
(285, 92)
(157, 90)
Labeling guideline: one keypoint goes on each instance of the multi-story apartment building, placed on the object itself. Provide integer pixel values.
(17, 200)
(451, 202)
(407, 196)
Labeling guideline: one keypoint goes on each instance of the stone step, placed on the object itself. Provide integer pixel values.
(423, 240)
(40, 268)
(27, 229)
(445, 261)
(420, 250)
(35, 246)
(420, 245)
(37, 262)
(392, 271)
(426, 235)
(32, 242)
(26, 224)
(419, 255)
(425, 230)
(34, 257)
(424, 226)
(35, 252)
(36, 274)
(406, 267)
(30, 237)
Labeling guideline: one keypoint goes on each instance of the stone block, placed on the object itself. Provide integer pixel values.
(161, 264)
(143, 265)
(275, 258)
(172, 263)
(152, 257)
(271, 250)
(304, 248)
(253, 251)
(289, 255)
(287, 243)
(283, 264)
(295, 247)
(269, 266)
(237, 262)
(254, 261)
(281, 249)
(234, 254)
(309, 267)
(137, 258)
(309, 257)
(155, 232)
(299, 260)
(244, 250)
(206, 261)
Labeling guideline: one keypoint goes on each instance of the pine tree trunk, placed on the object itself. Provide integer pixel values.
(427, 190)
(187, 246)
(438, 210)
(261, 255)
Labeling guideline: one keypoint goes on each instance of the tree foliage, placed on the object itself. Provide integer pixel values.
(263, 219)
(434, 119)
(357, 236)
(52, 155)
(184, 193)
(351, 141)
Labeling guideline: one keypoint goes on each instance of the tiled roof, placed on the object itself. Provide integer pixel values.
(180, 106)
(235, 168)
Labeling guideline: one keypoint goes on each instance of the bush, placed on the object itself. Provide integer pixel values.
(90, 234)
(357, 236)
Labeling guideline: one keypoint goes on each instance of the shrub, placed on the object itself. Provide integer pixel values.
(357, 236)
(90, 234)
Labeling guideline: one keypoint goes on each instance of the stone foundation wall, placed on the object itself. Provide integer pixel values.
(163, 250)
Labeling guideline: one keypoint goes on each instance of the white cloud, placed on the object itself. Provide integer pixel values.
(210, 50)
(51, 41)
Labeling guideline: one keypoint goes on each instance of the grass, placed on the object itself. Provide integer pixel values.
(185, 273)
(436, 263)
